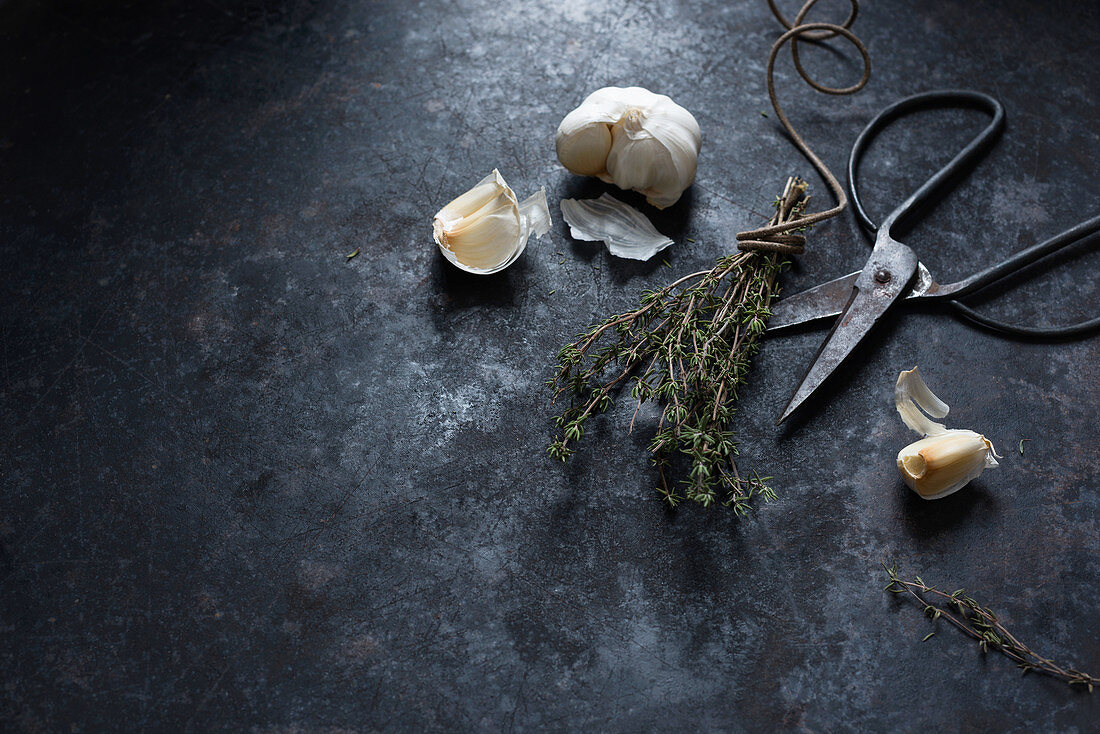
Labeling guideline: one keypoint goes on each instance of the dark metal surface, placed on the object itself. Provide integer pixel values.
(248, 485)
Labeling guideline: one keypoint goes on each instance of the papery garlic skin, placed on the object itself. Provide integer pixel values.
(937, 466)
(633, 138)
(945, 460)
(485, 229)
(624, 229)
(911, 397)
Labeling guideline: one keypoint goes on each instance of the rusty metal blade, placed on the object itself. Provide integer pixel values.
(820, 302)
(885, 277)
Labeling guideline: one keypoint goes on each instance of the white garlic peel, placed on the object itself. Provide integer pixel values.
(485, 230)
(946, 460)
(633, 138)
(626, 231)
(911, 392)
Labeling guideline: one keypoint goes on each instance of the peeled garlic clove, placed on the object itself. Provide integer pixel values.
(632, 138)
(485, 229)
(940, 465)
(624, 229)
(946, 460)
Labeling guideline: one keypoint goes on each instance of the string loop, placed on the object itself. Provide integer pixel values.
(781, 238)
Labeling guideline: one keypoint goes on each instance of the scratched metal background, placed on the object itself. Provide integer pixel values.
(247, 484)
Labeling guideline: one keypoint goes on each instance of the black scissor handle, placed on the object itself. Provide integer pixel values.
(951, 98)
(1016, 262)
(960, 98)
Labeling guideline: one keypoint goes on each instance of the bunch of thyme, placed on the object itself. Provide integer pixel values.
(688, 345)
(981, 624)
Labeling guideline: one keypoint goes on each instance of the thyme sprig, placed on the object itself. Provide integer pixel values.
(689, 346)
(981, 624)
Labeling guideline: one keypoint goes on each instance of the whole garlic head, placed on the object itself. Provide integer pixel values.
(485, 230)
(633, 138)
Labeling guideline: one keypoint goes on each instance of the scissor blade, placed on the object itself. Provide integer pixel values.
(820, 302)
(829, 299)
(869, 299)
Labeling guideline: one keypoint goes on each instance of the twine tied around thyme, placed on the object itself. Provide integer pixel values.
(786, 237)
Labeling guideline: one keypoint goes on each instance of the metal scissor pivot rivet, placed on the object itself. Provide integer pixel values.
(882, 275)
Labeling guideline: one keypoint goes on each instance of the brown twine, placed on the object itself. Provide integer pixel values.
(779, 237)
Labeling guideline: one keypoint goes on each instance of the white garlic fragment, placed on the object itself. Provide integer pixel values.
(485, 230)
(626, 231)
(946, 460)
(911, 392)
(633, 138)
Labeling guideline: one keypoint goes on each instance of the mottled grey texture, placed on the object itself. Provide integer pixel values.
(249, 485)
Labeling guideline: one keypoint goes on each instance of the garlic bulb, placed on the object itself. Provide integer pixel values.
(485, 230)
(946, 460)
(634, 139)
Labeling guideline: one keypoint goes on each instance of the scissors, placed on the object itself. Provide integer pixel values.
(893, 274)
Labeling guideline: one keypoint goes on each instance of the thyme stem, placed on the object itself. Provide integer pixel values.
(981, 624)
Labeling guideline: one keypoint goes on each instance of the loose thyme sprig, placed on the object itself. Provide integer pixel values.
(981, 624)
(689, 346)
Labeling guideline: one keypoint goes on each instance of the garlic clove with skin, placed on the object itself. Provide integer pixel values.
(486, 229)
(937, 466)
(633, 138)
(945, 460)
(584, 137)
(585, 151)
